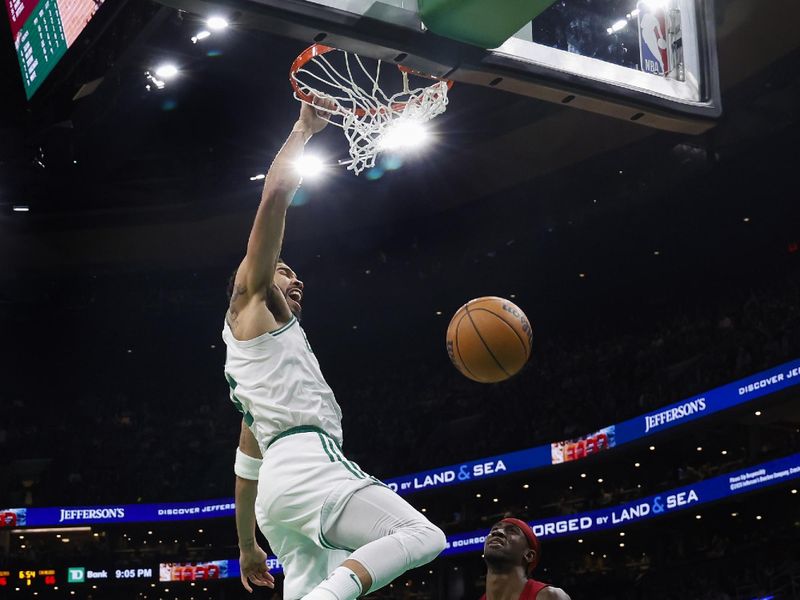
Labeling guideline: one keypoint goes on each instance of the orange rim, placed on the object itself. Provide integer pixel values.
(318, 50)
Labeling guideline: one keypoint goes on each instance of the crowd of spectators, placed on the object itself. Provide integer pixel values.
(137, 433)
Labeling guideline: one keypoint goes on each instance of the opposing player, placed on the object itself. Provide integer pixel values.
(511, 552)
(338, 532)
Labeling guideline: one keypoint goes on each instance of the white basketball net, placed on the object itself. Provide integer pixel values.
(363, 110)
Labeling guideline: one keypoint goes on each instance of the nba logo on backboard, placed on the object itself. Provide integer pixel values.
(653, 44)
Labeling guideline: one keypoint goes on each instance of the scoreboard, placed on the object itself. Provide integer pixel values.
(28, 578)
(43, 30)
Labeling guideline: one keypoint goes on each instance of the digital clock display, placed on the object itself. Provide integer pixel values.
(35, 577)
(138, 573)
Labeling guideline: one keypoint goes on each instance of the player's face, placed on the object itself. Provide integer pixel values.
(291, 286)
(506, 544)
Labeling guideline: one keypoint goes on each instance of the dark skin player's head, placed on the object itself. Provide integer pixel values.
(507, 549)
(290, 286)
(287, 282)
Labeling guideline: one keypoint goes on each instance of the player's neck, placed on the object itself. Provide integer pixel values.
(504, 585)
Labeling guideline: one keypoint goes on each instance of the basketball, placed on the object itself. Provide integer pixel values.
(489, 339)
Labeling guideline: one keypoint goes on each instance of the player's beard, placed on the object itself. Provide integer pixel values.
(295, 308)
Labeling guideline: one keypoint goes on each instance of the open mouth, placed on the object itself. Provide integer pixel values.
(495, 541)
(295, 294)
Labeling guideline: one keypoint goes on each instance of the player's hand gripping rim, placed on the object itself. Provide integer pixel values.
(253, 568)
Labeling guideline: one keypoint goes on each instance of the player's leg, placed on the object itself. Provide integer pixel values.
(389, 536)
(304, 563)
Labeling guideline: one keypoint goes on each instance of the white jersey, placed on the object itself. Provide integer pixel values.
(277, 384)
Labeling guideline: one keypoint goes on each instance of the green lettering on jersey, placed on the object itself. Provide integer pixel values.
(248, 418)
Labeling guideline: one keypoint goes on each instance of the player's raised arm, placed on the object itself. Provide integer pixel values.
(266, 237)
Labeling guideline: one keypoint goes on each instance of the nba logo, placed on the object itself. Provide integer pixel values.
(653, 45)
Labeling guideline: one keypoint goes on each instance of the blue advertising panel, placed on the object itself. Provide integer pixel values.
(775, 472)
(679, 413)
(754, 478)
(685, 411)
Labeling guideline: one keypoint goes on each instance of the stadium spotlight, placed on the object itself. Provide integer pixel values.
(216, 23)
(404, 135)
(758, 413)
(166, 71)
(20, 208)
(310, 166)
(200, 35)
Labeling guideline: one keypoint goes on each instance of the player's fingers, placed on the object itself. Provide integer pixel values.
(246, 585)
(262, 578)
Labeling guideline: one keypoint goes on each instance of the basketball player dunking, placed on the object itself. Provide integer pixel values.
(338, 532)
(511, 552)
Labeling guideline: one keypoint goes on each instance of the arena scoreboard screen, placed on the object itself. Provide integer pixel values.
(43, 31)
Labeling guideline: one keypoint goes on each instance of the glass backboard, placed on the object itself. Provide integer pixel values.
(649, 61)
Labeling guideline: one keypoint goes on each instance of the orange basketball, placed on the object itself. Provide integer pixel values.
(489, 339)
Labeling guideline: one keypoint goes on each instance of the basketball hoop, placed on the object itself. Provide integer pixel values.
(367, 115)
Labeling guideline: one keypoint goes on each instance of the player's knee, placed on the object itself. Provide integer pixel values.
(438, 542)
(431, 541)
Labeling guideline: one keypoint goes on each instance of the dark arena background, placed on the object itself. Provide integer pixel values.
(652, 440)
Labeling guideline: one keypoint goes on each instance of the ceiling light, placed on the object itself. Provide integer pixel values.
(699, 448)
(758, 413)
(404, 135)
(637, 465)
(583, 475)
(20, 208)
(216, 23)
(200, 35)
(599, 480)
(166, 71)
(257, 177)
(309, 165)
(652, 448)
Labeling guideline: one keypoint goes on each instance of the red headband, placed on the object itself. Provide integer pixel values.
(533, 541)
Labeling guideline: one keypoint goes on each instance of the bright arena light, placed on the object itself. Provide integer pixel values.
(404, 135)
(216, 23)
(200, 35)
(166, 71)
(619, 25)
(310, 165)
